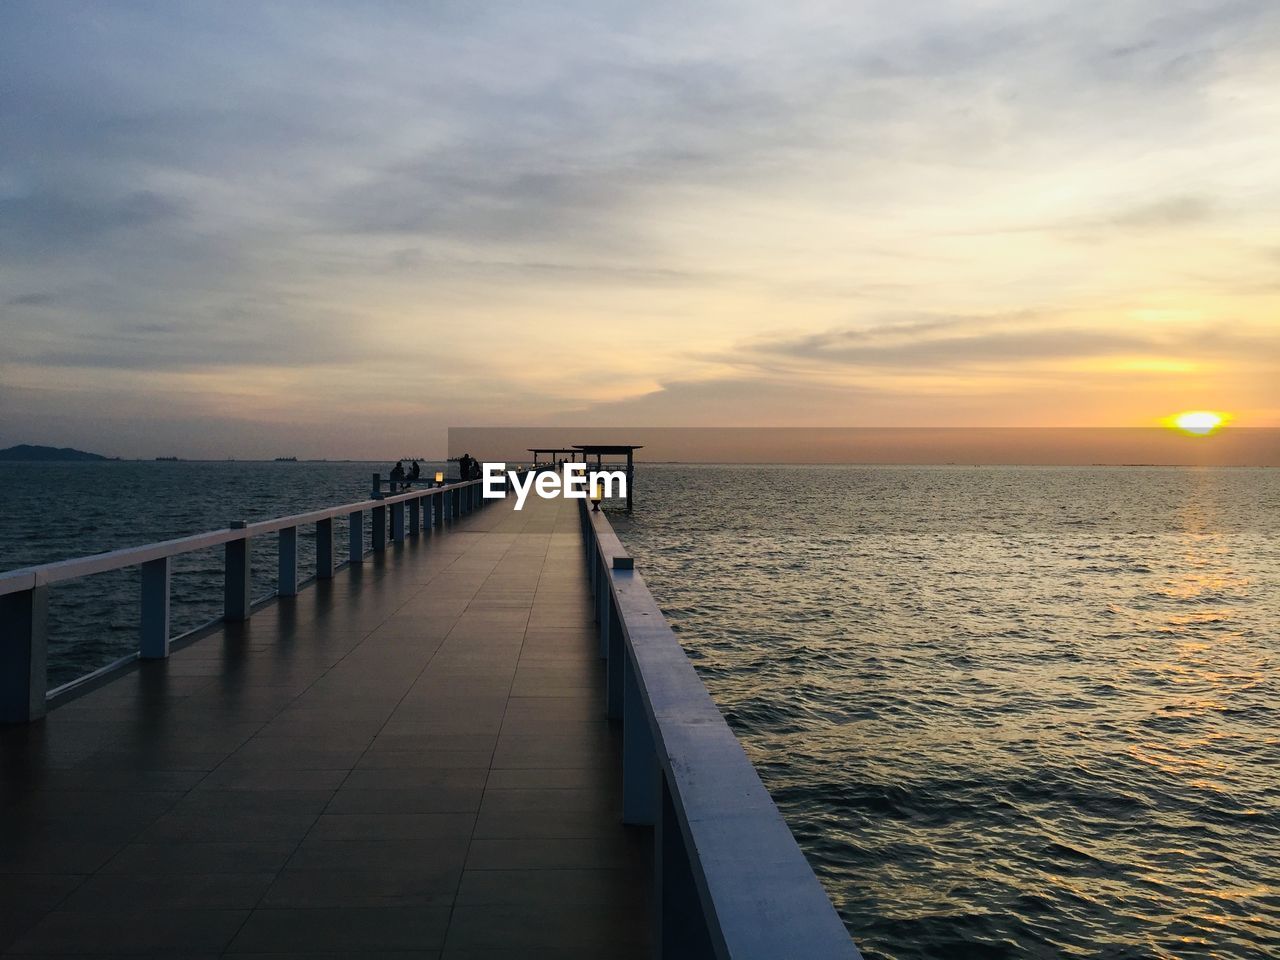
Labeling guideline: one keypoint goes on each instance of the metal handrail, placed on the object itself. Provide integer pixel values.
(24, 593)
(24, 578)
(731, 880)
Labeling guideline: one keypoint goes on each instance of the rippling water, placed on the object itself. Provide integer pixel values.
(51, 512)
(1008, 712)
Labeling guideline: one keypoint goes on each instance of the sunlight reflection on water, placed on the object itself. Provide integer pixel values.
(1007, 711)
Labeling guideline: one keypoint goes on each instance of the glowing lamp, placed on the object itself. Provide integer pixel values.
(439, 477)
(596, 496)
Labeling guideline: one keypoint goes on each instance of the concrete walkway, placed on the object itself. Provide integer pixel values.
(410, 760)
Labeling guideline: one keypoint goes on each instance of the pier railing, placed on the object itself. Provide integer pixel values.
(731, 882)
(24, 593)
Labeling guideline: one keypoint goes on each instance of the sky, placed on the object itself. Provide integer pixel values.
(338, 228)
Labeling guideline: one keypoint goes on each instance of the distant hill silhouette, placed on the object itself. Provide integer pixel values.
(27, 451)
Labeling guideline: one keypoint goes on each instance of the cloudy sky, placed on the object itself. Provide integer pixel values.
(337, 228)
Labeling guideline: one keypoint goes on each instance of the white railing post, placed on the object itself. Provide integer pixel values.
(397, 521)
(236, 598)
(415, 516)
(602, 605)
(287, 582)
(437, 509)
(639, 761)
(681, 925)
(324, 549)
(378, 518)
(24, 650)
(593, 564)
(153, 634)
(614, 694)
(355, 537)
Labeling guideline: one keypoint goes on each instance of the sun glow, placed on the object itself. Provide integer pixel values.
(1199, 423)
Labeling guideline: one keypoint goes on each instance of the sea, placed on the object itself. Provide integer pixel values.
(1007, 711)
(54, 511)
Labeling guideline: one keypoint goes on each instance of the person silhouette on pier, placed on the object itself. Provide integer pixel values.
(415, 471)
(397, 476)
(465, 467)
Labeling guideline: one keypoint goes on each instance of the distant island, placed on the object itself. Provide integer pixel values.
(28, 451)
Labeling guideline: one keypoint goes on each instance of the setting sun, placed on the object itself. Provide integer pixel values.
(1199, 423)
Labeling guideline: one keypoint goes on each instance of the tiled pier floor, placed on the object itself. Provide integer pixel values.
(410, 760)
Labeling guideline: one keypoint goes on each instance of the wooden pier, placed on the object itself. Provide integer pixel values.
(479, 739)
(410, 759)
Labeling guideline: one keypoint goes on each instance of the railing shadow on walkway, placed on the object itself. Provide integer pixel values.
(730, 880)
(24, 593)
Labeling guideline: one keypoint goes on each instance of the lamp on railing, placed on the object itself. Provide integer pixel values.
(596, 496)
(439, 478)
